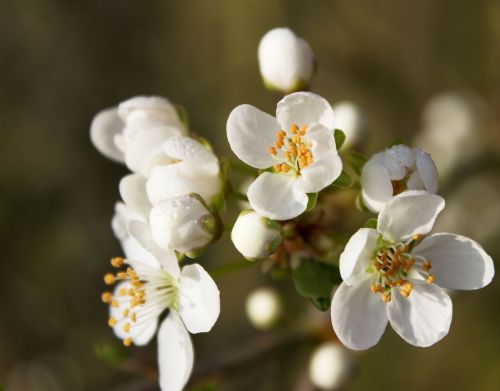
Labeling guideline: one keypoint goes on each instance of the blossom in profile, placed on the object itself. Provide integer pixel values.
(286, 61)
(297, 149)
(395, 170)
(394, 274)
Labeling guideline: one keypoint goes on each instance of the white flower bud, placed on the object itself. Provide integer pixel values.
(183, 224)
(330, 366)
(286, 61)
(395, 170)
(263, 307)
(254, 236)
(349, 118)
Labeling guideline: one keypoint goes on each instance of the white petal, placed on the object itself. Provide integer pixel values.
(424, 317)
(304, 108)
(141, 331)
(457, 262)
(357, 255)
(180, 179)
(105, 126)
(199, 303)
(276, 197)
(409, 213)
(133, 193)
(427, 170)
(415, 182)
(358, 316)
(141, 232)
(190, 150)
(250, 133)
(376, 185)
(147, 103)
(175, 354)
(143, 148)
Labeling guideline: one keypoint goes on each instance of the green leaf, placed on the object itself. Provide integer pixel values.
(357, 161)
(339, 136)
(321, 303)
(371, 223)
(343, 181)
(311, 203)
(314, 279)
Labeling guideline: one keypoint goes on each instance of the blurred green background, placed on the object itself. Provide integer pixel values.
(62, 61)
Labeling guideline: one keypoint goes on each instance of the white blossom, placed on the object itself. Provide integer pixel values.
(264, 307)
(286, 61)
(133, 132)
(409, 274)
(350, 119)
(330, 366)
(183, 223)
(146, 289)
(395, 170)
(254, 236)
(298, 145)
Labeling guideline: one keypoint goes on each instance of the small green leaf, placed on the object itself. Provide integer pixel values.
(343, 181)
(398, 142)
(313, 279)
(321, 303)
(311, 203)
(357, 161)
(339, 136)
(371, 223)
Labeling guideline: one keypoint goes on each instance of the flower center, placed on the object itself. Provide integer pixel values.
(391, 266)
(145, 292)
(292, 150)
(398, 186)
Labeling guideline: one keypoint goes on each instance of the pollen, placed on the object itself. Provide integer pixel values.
(126, 327)
(117, 262)
(106, 297)
(111, 322)
(430, 279)
(109, 279)
(127, 341)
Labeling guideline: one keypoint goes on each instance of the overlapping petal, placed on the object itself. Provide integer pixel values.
(105, 126)
(304, 108)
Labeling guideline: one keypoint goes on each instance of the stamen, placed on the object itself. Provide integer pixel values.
(272, 151)
(117, 262)
(106, 297)
(127, 341)
(109, 279)
(430, 279)
(111, 322)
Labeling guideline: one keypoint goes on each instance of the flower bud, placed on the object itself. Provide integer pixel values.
(183, 224)
(286, 61)
(349, 118)
(263, 307)
(256, 237)
(330, 366)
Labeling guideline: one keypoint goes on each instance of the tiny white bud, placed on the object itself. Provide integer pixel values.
(183, 224)
(286, 61)
(254, 236)
(263, 307)
(330, 366)
(349, 118)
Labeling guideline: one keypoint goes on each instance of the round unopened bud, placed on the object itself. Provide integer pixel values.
(256, 237)
(350, 119)
(286, 61)
(263, 307)
(330, 366)
(183, 224)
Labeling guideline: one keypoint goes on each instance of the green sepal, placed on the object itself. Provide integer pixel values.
(339, 136)
(313, 279)
(356, 161)
(343, 181)
(183, 115)
(321, 303)
(371, 223)
(311, 202)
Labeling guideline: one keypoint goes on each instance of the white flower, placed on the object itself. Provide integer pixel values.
(350, 119)
(263, 307)
(134, 131)
(395, 170)
(145, 290)
(396, 263)
(183, 223)
(195, 169)
(254, 236)
(298, 144)
(286, 61)
(330, 366)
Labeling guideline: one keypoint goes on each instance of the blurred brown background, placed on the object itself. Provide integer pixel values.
(61, 61)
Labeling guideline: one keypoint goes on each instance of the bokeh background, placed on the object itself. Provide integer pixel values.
(62, 61)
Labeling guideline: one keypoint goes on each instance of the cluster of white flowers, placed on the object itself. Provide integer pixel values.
(175, 195)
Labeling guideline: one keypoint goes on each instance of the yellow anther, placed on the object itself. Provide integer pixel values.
(294, 128)
(408, 286)
(278, 143)
(133, 317)
(281, 134)
(109, 279)
(373, 288)
(417, 237)
(385, 297)
(125, 312)
(127, 341)
(121, 275)
(131, 292)
(303, 147)
(126, 327)
(114, 304)
(285, 168)
(123, 291)
(272, 151)
(106, 297)
(111, 322)
(288, 155)
(296, 139)
(277, 167)
(136, 283)
(427, 265)
(404, 293)
(117, 261)
(430, 279)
